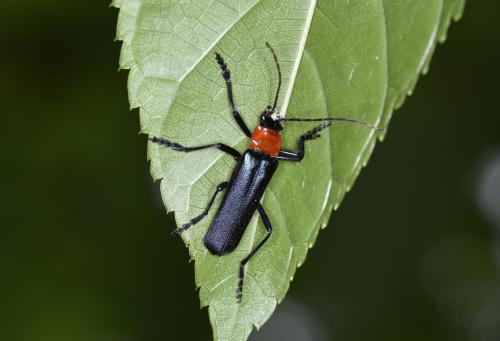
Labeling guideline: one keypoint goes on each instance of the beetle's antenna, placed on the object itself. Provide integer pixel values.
(279, 75)
(339, 119)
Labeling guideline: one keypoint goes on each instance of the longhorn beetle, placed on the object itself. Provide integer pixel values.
(254, 169)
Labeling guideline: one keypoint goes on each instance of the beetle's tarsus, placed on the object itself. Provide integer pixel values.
(313, 133)
(239, 289)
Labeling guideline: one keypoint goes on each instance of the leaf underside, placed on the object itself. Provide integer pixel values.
(356, 59)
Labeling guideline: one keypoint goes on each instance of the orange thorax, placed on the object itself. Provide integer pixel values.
(266, 140)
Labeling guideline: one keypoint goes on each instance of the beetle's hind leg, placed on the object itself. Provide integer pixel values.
(269, 228)
(203, 214)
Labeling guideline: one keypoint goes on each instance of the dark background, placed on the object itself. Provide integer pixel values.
(85, 251)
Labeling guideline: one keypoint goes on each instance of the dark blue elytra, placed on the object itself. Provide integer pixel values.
(245, 190)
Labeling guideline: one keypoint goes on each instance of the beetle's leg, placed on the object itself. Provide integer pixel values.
(227, 78)
(269, 228)
(199, 217)
(296, 156)
(179, 148)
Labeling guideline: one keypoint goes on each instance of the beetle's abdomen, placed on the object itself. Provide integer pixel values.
(248, 182)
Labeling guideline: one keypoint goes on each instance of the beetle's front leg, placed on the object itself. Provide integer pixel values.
(296, 156)
(226, 74)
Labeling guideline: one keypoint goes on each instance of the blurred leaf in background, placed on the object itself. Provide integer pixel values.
(85, 252)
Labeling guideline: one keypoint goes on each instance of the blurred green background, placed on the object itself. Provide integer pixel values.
(85, 251)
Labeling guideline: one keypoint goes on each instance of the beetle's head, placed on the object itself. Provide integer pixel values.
(270, 119)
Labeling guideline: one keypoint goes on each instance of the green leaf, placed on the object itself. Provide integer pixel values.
(355, 59)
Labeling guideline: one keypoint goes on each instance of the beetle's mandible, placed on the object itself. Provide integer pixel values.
(251, 175)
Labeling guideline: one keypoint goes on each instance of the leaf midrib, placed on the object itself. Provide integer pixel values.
(287, 97)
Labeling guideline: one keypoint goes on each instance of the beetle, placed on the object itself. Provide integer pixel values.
(251, 175)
